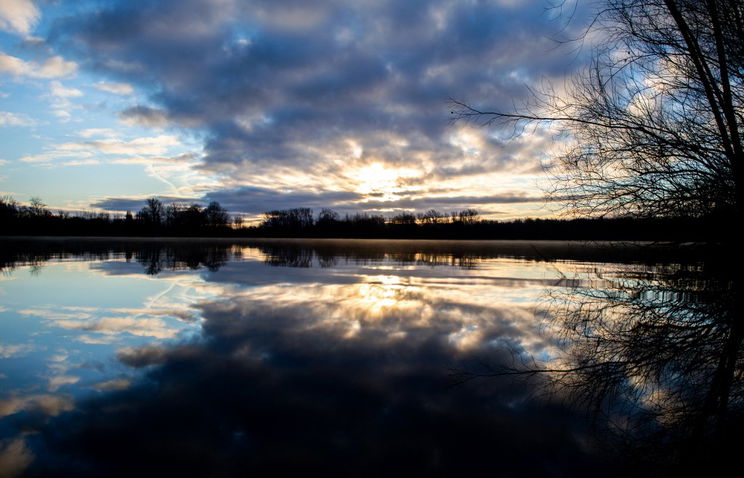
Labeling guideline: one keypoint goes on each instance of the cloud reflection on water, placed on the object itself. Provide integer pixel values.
(336, 370)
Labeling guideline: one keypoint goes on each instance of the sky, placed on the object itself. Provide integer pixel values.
(267, 104)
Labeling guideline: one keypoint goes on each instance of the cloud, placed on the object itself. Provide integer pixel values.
(143, 322)
(151, 146)
(47, 404)
(8, 350)
(53, 67)
(81, 162)
(93, 132)
(15, 119)
(138, 357)
(123, 89)
(289, 86)
(51, 156)
(144, 116)
(59, 381)
(15, 455)
(58, 90)
(114, 384)
(135, 203)
(12, 65)
(18, 16)
(284, 379)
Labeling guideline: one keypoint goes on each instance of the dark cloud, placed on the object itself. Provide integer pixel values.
(144, 116)
(276, 388)
(259, 200)
(280, 83)
(135, 204)
(254, 200)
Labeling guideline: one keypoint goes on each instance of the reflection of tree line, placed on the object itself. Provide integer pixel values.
(157, 259)
(657, 353)
(162, 254)
(310, 257)
(154, 256)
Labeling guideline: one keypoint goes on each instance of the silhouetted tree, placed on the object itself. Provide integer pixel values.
(403, 219)
(432, 216)
(657, 117)
(327, 217)
(298, 218)
(153, 213)
(216, 215)
(37, 207)
(468, 216)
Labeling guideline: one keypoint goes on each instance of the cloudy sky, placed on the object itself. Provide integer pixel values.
(266, 104)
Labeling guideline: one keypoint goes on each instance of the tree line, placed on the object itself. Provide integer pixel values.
(156, 218)
(468, 224)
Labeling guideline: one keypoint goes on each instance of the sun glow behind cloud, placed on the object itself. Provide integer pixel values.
(380, 181)
(318, 105)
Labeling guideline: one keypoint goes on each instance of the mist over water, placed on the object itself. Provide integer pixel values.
(317, 356)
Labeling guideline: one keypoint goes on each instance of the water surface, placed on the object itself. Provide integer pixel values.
(147, 357)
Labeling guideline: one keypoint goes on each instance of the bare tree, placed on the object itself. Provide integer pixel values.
(153, 213)
(657, 116)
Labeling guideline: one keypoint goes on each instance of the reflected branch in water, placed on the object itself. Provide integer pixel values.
(656, 352)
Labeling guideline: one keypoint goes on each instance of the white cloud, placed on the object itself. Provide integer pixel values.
(100, 132)
(81, 162)
(54, 67)
(115, 88)
(50, 156)
(154, 146)
(13, 119)
(84, 152)
(18, 16)
(64, 116)
(61, 91)
(12, 65)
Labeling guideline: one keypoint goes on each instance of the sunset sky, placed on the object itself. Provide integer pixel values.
(266, 104)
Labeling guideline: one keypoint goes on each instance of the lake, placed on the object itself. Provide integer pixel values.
(145, 357)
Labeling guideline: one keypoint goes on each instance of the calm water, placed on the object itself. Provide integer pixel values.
(354, 358)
